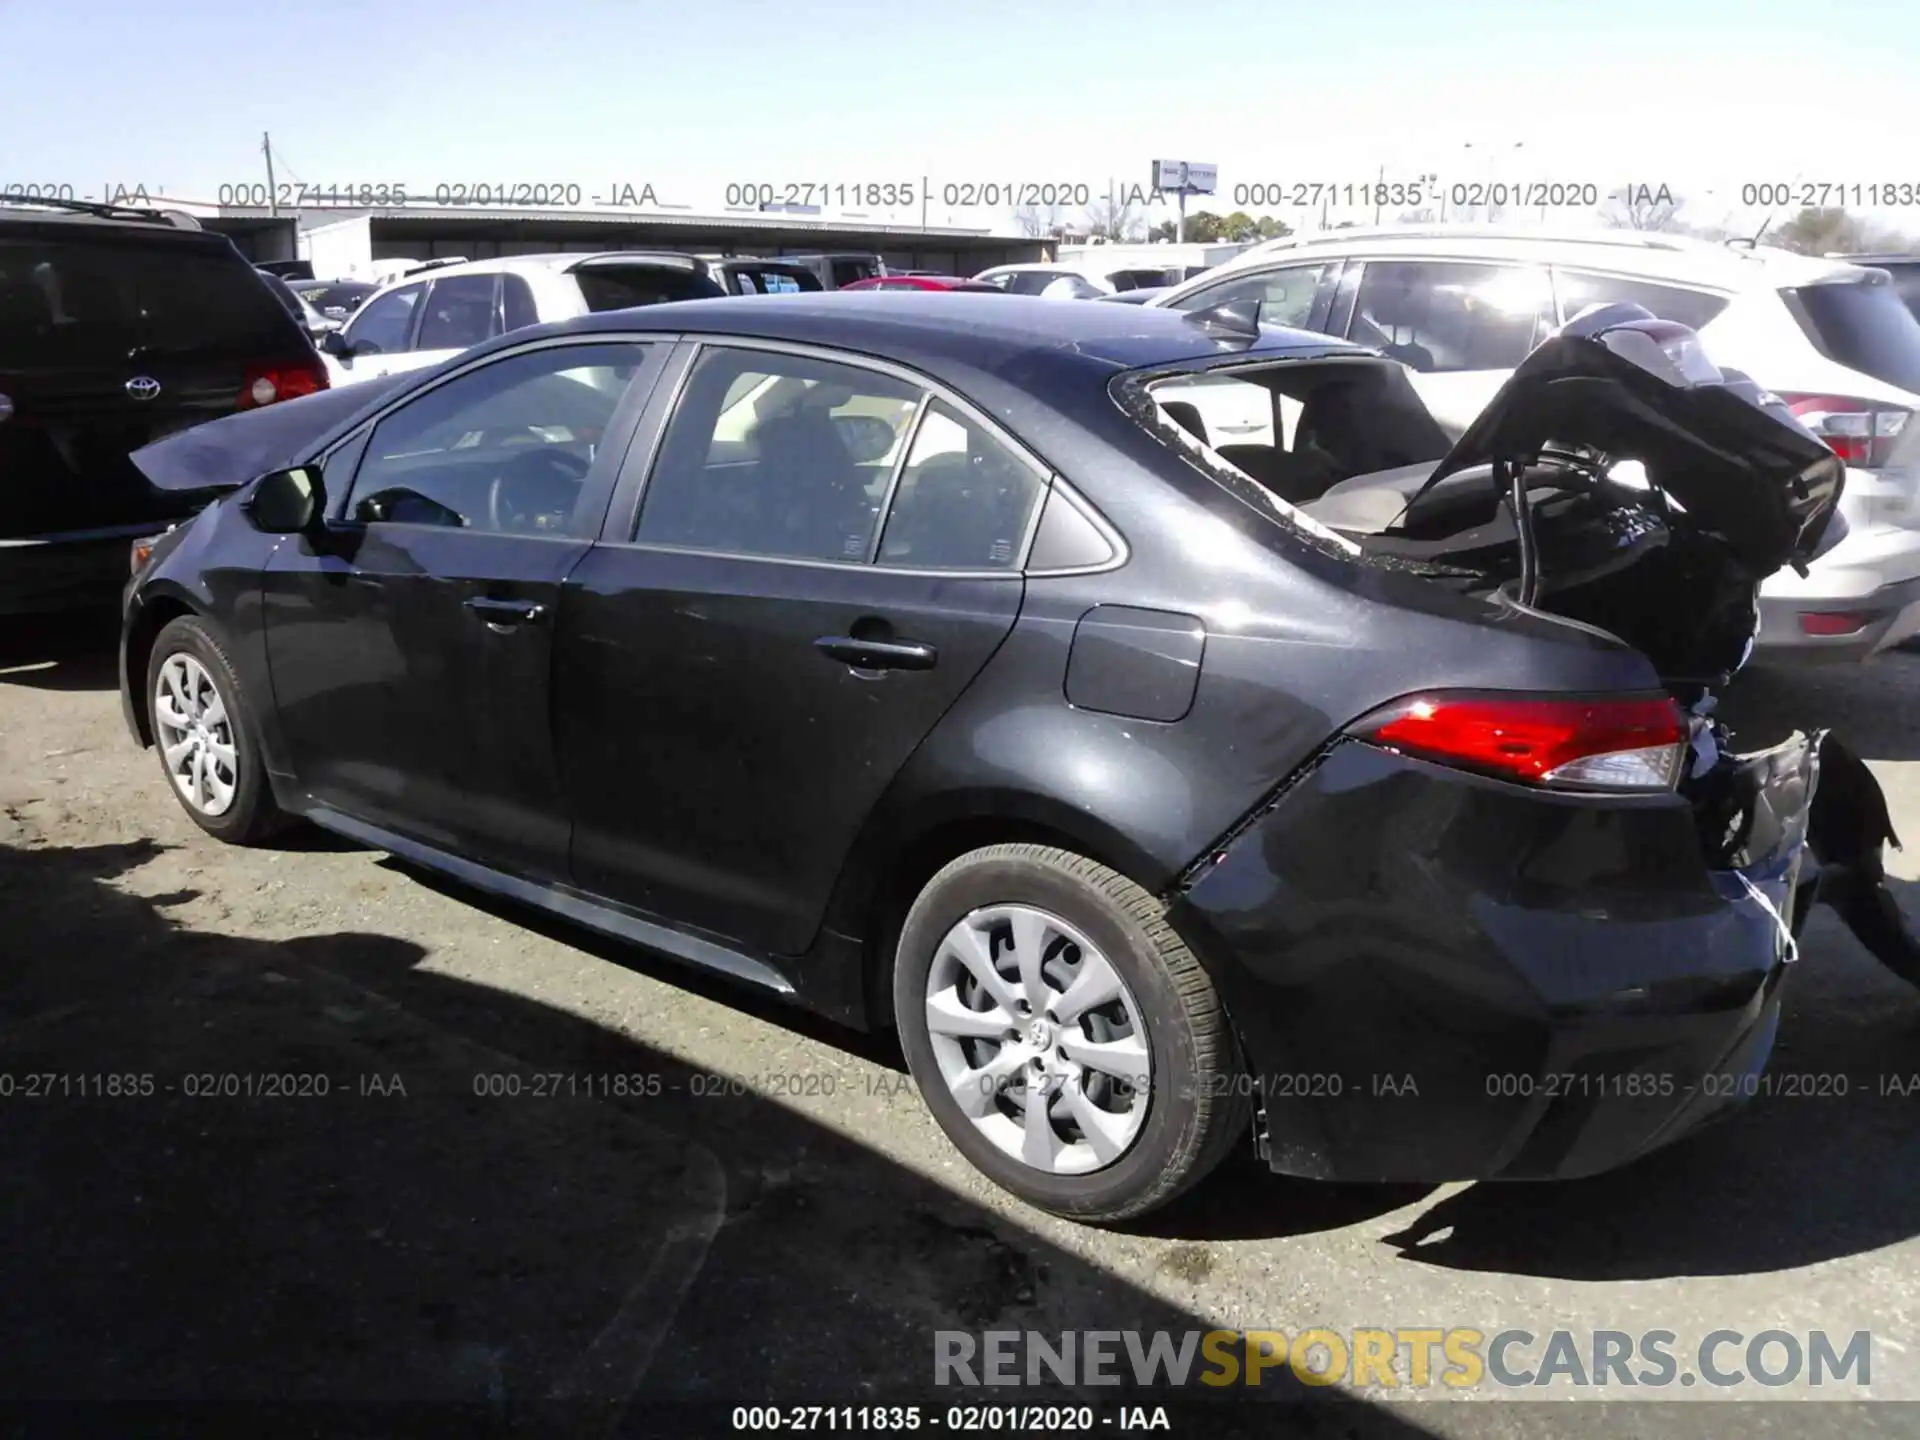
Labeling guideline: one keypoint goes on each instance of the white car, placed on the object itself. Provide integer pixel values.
(435, 312)
(1461, 306)
(1058, 280)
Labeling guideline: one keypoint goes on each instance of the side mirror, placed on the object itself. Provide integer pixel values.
(321, 327)
(334, 342)
(287, 502)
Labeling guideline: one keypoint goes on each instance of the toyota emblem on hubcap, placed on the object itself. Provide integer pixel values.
(143, 387)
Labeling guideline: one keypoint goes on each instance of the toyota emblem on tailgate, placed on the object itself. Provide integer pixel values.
(143, 387)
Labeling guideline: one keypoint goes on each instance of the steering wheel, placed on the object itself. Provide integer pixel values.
(530, 484)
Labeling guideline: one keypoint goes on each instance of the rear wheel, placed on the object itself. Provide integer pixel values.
(204, 733)
(1063, 1035)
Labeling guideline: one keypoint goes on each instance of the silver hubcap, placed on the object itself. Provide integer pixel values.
(1038, 1039)
(196, 735)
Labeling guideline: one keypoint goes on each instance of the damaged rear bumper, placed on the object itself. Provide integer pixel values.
(1439, 977)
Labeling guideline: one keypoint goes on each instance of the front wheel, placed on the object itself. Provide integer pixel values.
(203, 730)
(1063, 1035)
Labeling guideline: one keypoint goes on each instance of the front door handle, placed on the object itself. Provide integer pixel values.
(878, 654)
(506, 612)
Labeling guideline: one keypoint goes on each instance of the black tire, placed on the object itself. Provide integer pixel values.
(1199, 1104)
(253, 815)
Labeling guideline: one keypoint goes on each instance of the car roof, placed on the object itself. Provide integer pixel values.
(557, 260)
(1651, 254)
(955, 331)
(16, 214)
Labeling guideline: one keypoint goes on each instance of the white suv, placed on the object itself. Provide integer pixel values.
(1460, 306)
(436, 311)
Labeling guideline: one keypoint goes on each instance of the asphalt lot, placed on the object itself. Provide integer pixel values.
(779, 1220)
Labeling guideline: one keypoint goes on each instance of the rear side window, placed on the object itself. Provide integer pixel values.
(755, 281)
(610, 288)
(1862, 325)
(1438, 317)
(777, 455)
(87, 302)
(1692, 308)
(516, 302)
(382, 326)
(845, 272)
(964, 500)
(459, 313)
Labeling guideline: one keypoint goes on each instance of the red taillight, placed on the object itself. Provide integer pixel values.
(1860, 432)
(269, 382)
(1832, 622)
(1605, 743)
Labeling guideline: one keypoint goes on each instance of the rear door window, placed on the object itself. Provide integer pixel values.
(777, 455)
(87, 303)
(459, 313)
(1441, 316)
(1578, 290)
(964, 500)
(1862, 325)
(382, 326)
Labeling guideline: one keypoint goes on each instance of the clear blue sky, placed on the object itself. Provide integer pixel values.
(1703, 96)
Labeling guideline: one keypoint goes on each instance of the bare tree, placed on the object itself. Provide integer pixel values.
(1038, 221)
(1113, 219)
(1643, 207)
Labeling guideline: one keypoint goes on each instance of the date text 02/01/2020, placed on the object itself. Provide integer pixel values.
(509, 194)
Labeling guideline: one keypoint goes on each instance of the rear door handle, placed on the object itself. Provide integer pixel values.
(506, 612)
(878, 654)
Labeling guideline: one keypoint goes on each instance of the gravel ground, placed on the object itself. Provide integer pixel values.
(768, 1214)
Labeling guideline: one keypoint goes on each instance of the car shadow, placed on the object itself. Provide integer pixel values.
(1786, 1180)
(1822, 1162)
(1241, 1200)
(72, 651)
(321, 1180)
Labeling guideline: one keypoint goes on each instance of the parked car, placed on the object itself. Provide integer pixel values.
(1461, 306)
(335, 299)
(117, 326)
(1078, 281)
(961, 690)
(747, 275)
(1903, 268)
(921, 282)
(311, 320)
(834, 269)
(430, 316)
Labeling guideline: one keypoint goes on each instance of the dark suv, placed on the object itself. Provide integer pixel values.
(117, 327)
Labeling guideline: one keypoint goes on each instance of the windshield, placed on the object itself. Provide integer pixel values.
(87, 303)
(1863, 325)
